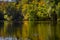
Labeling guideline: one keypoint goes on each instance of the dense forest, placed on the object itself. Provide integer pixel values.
(29, 9)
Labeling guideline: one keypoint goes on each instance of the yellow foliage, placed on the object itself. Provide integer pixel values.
(26, 16)
(39, 13)
(5, 16)
(24, 6)
(41, 3)
(59, 4)
(4, 11)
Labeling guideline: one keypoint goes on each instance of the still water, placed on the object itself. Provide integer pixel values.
(29, 30)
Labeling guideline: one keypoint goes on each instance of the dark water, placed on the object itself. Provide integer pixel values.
(30, 30)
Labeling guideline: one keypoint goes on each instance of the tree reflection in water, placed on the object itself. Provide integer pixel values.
(15, 28)
(43, 30)
(54, 30)
(1, 26)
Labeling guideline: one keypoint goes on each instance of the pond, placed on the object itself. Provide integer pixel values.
(29, 30)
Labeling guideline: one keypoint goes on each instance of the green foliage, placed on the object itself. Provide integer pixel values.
(34, 9)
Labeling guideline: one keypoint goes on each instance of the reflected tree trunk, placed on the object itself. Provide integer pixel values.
(53, 30)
